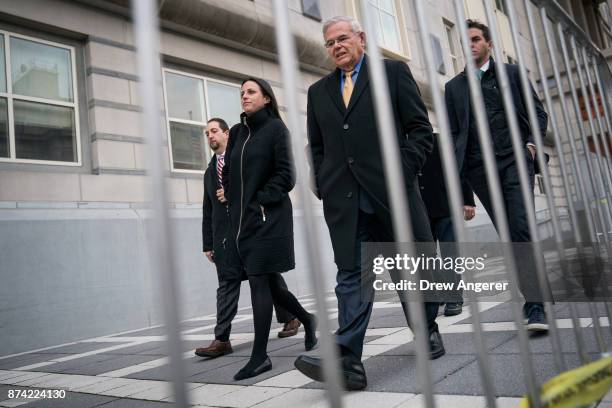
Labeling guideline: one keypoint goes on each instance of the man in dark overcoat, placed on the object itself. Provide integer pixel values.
(470, 159)
(349, 178)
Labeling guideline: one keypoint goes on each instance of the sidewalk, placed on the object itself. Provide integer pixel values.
(130, 370)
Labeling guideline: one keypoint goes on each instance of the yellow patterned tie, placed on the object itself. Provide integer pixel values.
(348, 87)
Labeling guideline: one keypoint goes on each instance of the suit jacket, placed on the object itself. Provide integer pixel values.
(215, 221)
(346, 154)
(458, 104)
(433, 187)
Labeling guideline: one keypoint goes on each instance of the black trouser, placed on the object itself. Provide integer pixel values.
(355, 302)
(443, 233)
(516, 215)
(228, 294)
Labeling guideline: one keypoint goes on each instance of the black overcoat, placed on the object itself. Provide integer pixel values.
(433, 186)
(257, 179)
(457, 95)
(215, 225)
(346, 154)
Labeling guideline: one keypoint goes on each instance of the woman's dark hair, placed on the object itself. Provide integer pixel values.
(478, 25)
(266, 89)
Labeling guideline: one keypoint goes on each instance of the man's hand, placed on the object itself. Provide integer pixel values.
(532, 150)
(210, 256)
(468, 212)
(221, 195)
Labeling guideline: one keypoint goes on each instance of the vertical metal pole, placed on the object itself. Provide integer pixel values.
(580, 179)
(497, 201)
(564, 172)
(579, 176)
(568, 71)
(289, 70)
(537, 247)
(596, 167)
(601, 157)
(606, 115)
(394, 180)
(163, 264)
(453, 183)
(579, 120)
(605, 168)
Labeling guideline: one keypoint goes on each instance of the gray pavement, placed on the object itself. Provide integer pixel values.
(130, 369)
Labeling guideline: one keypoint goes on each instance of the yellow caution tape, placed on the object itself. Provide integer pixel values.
(579, 387)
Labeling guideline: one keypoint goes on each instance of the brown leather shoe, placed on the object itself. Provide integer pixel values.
(290, 328)
(216, 349)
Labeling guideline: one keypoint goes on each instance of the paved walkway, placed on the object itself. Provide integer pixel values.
(130, 370)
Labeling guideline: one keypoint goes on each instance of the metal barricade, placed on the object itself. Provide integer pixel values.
(583, 67)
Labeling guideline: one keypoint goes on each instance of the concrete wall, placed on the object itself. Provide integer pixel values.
(69, 274)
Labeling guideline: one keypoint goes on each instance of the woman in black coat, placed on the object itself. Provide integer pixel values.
(257, 180)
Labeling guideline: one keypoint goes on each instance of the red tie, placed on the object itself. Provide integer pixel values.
(220, 163)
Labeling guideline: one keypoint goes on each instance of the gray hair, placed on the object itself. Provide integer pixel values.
(355, 26)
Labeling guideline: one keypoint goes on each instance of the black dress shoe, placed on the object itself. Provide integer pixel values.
(353, 373)
(453, 309)
(436, 347)
(310, 338)
(246, 372)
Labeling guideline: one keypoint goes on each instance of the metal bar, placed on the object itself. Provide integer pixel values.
(497, 200)
(559, 14)
(564, 172)
(163, 263)
(400, 214)
(605, 168)
(568, 71)
(579, 177)
(598, 170)
(601, 156)
(537, 246)
(606, 114)
(452, 182)
(585, 146)
(287, 59)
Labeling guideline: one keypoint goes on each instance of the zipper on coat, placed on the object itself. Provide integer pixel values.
(263, 213)
(242, 188)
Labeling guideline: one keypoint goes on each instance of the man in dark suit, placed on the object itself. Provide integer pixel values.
(469, 155)
(433, 191)
(349, 178)
(215, 223)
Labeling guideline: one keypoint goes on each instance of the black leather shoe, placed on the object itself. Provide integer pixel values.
(310, 338)
(436, 347)
(353, 373)
(453, 309)
(245, 372)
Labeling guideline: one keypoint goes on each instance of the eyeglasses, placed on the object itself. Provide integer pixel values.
(340, 40)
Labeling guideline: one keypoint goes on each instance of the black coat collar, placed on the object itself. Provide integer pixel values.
(257, 120)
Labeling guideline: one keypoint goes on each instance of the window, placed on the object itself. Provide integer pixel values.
(190, 100)
(437, 54)
(501, 6)
(449, 28)
(539, 185)
(38, 102)
(386, 23)
(312, 9)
